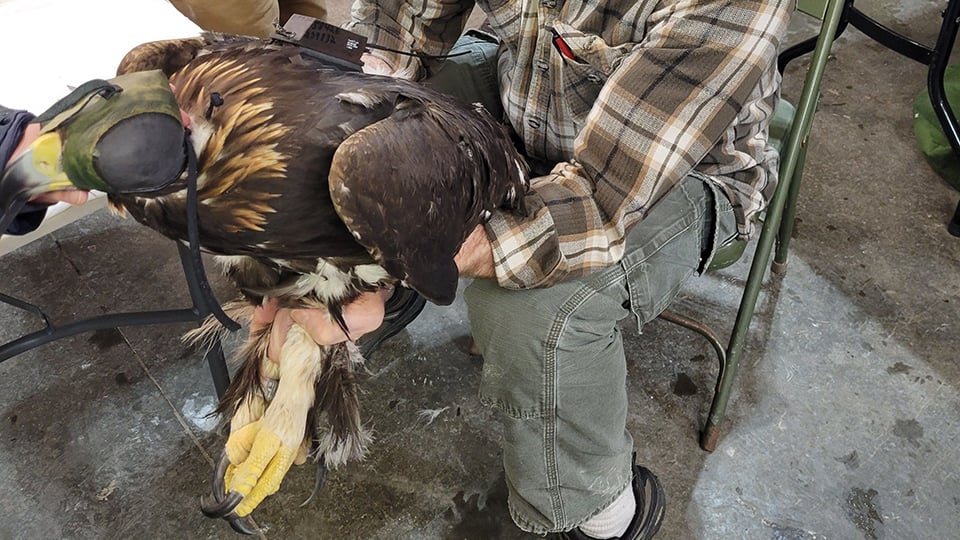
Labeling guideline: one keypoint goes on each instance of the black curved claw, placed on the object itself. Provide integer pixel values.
(219, 509)
(239, 524)
(318, 481)
(225, 502)
(219, 472)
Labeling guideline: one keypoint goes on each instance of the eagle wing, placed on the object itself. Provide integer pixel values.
(412, 186)
(170, 55)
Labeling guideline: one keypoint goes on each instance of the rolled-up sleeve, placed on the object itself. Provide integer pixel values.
(12, 125)
(429, 27)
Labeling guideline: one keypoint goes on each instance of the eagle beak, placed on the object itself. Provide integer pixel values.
(35, 171)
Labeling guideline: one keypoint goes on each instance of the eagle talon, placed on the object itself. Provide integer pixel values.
(239, 524)
(262, 451)
(219, 473)
(318, 481)
(221, 508)
(225, 508)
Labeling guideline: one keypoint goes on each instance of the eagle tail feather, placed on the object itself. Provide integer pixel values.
(338, 433)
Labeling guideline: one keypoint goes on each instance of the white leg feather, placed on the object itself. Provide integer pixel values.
(250, 409)
(300, 363)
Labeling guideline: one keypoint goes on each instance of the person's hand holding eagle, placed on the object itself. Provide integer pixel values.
(365, 314)
(362, 316)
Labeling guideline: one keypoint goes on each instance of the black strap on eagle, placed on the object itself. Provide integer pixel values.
(193, 239)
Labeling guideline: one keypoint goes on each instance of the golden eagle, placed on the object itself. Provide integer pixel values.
(313, 185)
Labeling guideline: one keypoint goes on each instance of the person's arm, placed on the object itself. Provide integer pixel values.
(429, 27)
(659, 113)
(13, 140)
(17, 131)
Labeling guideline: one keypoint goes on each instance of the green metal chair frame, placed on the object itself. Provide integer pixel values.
(777, 221)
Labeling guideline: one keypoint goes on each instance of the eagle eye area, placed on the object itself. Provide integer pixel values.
(141, 154)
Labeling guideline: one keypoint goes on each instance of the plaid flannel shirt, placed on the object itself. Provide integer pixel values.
(652, 90)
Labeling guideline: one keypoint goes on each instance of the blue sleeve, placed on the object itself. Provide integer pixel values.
(29, 218)
(12, 125)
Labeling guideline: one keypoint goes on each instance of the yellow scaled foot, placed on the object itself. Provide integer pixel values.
(261, 473)
(261, 451)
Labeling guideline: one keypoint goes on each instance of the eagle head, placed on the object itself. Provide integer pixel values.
(120, 136)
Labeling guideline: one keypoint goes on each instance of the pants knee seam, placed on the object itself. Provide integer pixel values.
(548, 408)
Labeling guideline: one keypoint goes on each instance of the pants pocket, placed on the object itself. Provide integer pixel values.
(654, 284)
(666, 248)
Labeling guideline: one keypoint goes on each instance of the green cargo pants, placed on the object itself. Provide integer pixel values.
(554, 361)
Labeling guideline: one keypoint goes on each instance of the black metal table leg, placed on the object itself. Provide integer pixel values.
(218, 368)
(201, 295)
(938, 64)
(936, 58)
(200, 309)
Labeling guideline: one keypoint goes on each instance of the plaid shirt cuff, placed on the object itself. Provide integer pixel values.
(526, 251)
(564, 236)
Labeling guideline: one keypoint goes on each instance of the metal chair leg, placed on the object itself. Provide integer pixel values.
(779, 265)
(738, 338)
(954, 226)
(218, 368)
(789, 165)
(701, 329)
(708, 443)
(201, 308)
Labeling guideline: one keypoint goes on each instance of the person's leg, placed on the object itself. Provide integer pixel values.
(470, 74)
(246, 17)
(554, 364)
(554, 367)
(553, 358)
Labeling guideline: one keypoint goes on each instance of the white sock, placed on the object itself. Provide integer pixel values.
(613, 520)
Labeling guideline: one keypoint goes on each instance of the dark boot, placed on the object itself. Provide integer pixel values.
(650, 506)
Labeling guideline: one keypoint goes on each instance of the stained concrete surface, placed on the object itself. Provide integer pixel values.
(843, 423)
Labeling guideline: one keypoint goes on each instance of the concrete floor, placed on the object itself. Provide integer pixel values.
(843, 424)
